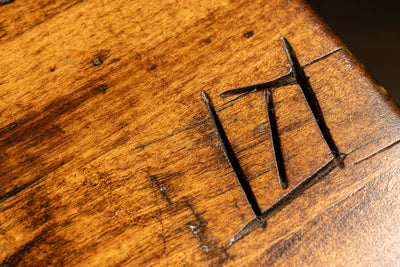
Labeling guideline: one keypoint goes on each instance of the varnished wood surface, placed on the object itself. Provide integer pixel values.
(118, 164)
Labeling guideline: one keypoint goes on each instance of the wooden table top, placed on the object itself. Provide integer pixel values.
(109, 153)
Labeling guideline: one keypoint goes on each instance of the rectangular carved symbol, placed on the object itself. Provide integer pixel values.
(296, 75)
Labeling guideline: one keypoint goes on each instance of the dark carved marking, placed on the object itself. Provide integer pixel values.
(5, 2)
(287, 79)
(286, 199)
(248, 34)
(230, 155)
(310, 97)
(276, 142)
(284, 80)
(296, 75)
(224, 105)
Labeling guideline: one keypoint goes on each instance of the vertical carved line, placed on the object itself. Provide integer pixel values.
(276, 142)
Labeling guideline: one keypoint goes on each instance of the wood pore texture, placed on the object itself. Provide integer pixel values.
(118, 163)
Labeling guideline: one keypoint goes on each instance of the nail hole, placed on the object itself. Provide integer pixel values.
(102, 88)
(153, 67)
(248, 34)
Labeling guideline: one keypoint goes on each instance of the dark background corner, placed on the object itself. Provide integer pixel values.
(371, 30)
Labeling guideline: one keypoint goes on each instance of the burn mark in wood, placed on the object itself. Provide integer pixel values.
(248, 34)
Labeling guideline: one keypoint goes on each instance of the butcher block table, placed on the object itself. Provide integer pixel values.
(191, 133)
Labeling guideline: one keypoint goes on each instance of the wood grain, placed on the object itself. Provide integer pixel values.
(108, 156)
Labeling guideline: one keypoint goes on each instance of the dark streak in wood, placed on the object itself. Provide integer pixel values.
(18, 189)
(15, 258)
(161, 187)
(50, 17)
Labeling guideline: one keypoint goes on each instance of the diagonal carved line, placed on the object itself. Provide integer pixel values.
(231, 156)
(310, 97)
(286, 199)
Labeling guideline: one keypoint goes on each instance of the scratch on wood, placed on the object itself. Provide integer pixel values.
(197, 228)
(49, 17)
(161, 187)
(377, 152)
